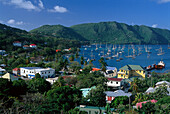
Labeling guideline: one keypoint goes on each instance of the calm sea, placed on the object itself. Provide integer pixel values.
(143, 55)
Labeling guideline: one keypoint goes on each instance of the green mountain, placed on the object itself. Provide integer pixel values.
(58, 31)
(120, 33)
(9, 34)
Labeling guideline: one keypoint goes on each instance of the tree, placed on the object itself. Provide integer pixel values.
(82, 60)
(97, 97)
(75, 67)
(5, 87)
(71, 58)
(37, 75)
(63, 98)
(38, 85)
(120, 100)
(103, 64)
(147, 108)
(59, 83)
(19, 87)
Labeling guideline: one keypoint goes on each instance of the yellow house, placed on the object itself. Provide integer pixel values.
(9, 76)
(131, 71)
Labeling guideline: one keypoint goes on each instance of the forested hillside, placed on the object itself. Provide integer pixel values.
(120, 33)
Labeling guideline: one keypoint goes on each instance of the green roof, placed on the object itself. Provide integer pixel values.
(132, 67)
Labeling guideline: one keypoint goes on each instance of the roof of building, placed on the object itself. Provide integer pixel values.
(150, 90)
(117, 93)
(132, 67)
(140, 103)
(96, 69)
(16, 42)
(32, 44)
(109, 72)
(26, 46)
(10, 77)
(110, 68)
(114, 79)
(15, 69)
(162, 82)
(85, 91)
(1, 70)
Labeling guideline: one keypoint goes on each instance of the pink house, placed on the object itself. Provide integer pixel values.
(140, 104)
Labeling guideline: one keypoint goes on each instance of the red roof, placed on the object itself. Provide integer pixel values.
(139, 105)
(32, 45)
(115, 79)
(15, 69)
(64, 77)
(57, 50)
(96, 69)
(25, 46)
(17, 42)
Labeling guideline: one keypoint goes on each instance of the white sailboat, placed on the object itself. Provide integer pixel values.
(160, 51)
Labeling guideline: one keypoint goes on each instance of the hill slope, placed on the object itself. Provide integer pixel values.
(58, 31)
(113, 32)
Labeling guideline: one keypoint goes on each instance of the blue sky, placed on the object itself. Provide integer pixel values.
(30, 14)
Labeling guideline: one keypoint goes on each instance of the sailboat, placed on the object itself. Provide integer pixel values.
(96, 47)
(160, 51)
(168, 46)
(128, 53)
(100, 46)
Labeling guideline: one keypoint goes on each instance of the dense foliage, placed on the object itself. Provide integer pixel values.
(120, 33)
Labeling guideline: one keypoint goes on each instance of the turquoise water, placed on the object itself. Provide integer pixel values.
(141, 57)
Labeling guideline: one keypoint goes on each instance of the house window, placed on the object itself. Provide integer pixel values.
(116, 82)
(42, 73)
(89, 112)
(111, 82)
(49, 72)
(45, 72)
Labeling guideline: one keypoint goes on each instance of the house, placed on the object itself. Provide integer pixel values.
(162, 83)
(93, 109)
(16, 71)
(33, 46)
(85, 91)
(115, 82)
(110, 71)
(158, 84)
(52, 80)
(139, 105)
(31, 71)
(10, 77)
(129, 71)
(110, 95)
(2, 71)
(17, 43)
(2, 52)
(26, 47)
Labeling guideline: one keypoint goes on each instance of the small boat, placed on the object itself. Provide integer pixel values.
(160, 51)
(160, 65)
(117, 60)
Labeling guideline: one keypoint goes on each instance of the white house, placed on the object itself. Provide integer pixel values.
(161, 83)
(110, 71)
(2, 71)
(17, 43)
(2, 52)
(110, 95)
(31, 71)
(52, 80)
(115, 82)
(33, 46)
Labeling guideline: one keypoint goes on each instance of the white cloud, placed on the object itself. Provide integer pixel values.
(58, 9)
(163, 1)
(20, 23)
(40, 4)
(13, 22)
(23, 4)
(154, 25)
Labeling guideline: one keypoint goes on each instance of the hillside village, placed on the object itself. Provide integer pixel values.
(80, 87)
